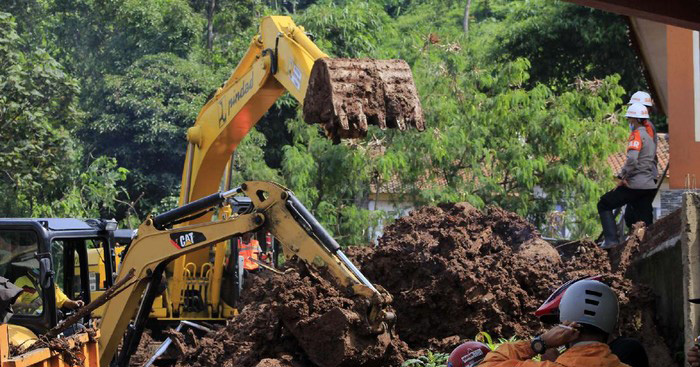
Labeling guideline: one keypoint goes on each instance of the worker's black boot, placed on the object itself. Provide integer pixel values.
(607, 220)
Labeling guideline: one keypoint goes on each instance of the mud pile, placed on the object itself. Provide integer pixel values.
(455, 271)
(296, 319)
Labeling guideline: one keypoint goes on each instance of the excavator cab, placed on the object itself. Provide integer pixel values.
(48, 259)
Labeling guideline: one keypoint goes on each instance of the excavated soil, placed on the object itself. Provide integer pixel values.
(297, 319)
(453, 271)
(347, 95)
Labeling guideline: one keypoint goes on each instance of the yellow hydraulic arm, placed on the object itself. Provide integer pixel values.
(347, 95)
(276, 210)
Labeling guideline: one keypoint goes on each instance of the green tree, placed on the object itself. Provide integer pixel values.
(143, 118)
(492, 140)
(331, 180)
(565, 41)
(37, 109)
(94, 193)
(39, 155)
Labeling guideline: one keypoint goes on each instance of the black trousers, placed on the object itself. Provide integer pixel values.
(634, 210)
(638, 203)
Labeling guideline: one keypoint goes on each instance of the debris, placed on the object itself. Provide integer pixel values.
(453, 271)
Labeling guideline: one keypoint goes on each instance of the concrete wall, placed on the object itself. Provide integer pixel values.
(672, 270)
(661, 271)
(690, 247)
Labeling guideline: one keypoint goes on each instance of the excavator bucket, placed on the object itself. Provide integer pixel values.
(347, 95)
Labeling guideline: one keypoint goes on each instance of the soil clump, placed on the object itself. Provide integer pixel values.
(300, 318)
(347, 95)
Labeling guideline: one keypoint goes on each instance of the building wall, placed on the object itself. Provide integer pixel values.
(385, 203)
(684, 130)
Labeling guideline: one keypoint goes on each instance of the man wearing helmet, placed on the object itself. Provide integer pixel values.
(644, 204)
(587, 313)
(637, 177)
(629, 351)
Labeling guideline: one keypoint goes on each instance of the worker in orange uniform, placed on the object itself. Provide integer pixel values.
(587, 315)
(645, 205)
(249, 249)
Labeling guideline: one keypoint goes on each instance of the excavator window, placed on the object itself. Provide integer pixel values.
(19, 264)
(71, 268)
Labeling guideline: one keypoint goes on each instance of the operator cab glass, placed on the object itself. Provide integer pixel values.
(20, 266)
(48, 259)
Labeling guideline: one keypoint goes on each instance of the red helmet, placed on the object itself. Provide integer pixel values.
(549, 311)
(468, 354)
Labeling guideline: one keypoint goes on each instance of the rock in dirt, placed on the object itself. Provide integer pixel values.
(347, 95)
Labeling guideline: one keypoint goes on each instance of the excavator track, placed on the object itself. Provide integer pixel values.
(345, 96)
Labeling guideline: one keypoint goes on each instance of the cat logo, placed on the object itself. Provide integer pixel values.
(183, 239)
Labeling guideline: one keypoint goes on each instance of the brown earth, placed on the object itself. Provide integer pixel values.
(347, 95)
(297, 319)
(453, 271)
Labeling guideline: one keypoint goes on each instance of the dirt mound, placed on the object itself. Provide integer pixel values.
(455, 271)
(297, 319)
(481, 269)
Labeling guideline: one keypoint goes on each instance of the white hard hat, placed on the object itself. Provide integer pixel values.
(641, 97)
(637, 110)
(590, 302)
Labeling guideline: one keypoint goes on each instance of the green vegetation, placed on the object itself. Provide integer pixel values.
(521, 110)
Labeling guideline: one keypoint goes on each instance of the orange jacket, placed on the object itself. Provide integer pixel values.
(249, 251)
(519, 354)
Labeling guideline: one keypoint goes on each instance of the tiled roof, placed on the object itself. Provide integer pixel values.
(616, 161)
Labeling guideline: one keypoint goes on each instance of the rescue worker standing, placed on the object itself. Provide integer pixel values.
(632, 209)
(637, 178)
(588, 314)
(249, 250)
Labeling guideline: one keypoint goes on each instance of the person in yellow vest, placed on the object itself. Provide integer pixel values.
(249, 249)
(30, 300)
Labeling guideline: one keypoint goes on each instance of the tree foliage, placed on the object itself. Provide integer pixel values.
(143, 119)
(39, 154)
(521, 112)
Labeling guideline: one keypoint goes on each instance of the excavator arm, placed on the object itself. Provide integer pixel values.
(276, 210)
(342, 95)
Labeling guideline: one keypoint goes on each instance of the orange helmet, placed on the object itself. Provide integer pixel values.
(468, 354)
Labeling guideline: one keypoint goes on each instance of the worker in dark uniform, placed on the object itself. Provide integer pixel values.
(636, 179)
(633, 208)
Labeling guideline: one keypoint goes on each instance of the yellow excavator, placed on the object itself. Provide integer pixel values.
(178, 257)
(344, 96)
